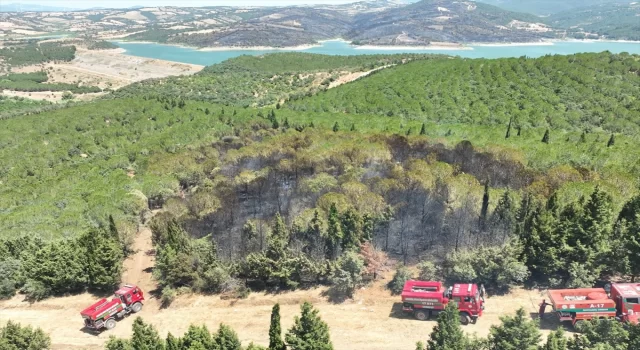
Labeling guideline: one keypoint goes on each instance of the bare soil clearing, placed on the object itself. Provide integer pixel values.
(372, 321)
(52, 96)
(105, 69)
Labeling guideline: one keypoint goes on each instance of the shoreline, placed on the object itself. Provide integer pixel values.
(259, 48)
(320, 43)
(589, 41)
(412, 48)
(229, 48)
(538, 43)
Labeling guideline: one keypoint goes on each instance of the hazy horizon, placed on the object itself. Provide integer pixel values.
(181, 3)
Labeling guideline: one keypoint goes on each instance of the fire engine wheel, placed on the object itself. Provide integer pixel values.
(110, 324)
(421, 315)
(465, 319)
(136, 307)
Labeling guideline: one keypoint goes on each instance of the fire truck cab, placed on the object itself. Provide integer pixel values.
(627, 299)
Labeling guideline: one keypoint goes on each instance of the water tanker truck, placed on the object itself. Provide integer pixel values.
(104, 313)
(425, 299)
(584, 304)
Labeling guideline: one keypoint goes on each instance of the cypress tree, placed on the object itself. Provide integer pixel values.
(336, 127)
(311, 125)
(556, 340)
(368, 227)
(278, 240)
(173, 343)
(612, 141)
(423, 129)
(275, 332)
(508, 129)
(314, 234)
(448, 334)
(519, 130)
(206, 111)
(227, 339)
(409, 131)
(113, 229)
(103, 259)
(274, 123)
(553, 204)
(485, 207)
(334, 232)
(628, 233)
(597, 222)
(145, 337)
(309, 332)
(545, 138)
(353, 127)
(517, 332)
(503, 218)
(113, 344)
(14, 336)
(351, 225)
(286, 123)
(583, 137)
(198, 335)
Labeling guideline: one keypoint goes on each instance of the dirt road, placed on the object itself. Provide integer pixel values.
(372, 321)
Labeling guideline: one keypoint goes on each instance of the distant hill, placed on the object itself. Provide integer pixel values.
(547, 7)
(446, 21)
(275, 27)
(609, 21)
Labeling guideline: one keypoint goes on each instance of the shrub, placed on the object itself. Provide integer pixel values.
(9, 277)
(496, 267)
(168, 296)
(214, 280)
(401, 276)
(348, 276)
(15, 336)
(35, 290)
(427, 271)
(580, 276)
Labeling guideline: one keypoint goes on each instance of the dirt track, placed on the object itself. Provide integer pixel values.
(371, 321)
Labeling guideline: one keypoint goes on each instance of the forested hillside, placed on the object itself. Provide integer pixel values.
(21, 53)
(250, 81)
(445, 21)
(482, 164)
(547, 7)
(577, 92)
(610, 21)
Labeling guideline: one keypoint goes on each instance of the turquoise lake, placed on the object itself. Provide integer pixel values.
(188, 55)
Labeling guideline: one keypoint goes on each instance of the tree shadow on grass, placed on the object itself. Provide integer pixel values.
(333, 296)
(549, 321)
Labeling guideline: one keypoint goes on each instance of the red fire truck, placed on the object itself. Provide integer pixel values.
(103, 314)
(627, 299)
(581, 304)
(428, 298)
(584, 304)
